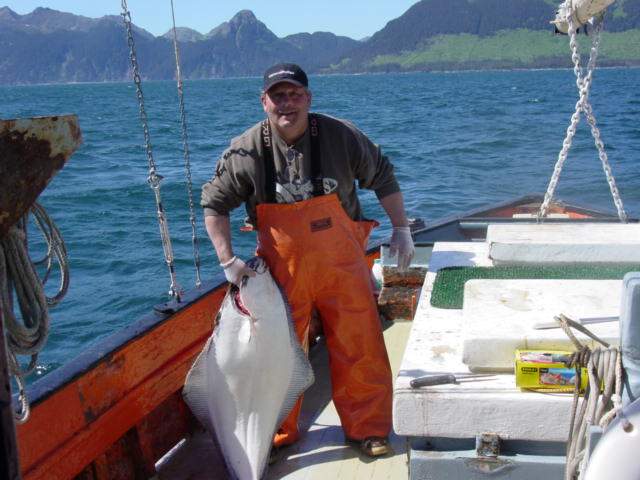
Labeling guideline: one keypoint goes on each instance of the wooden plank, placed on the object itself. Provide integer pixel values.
(122, 460)
(103, 404)
(87, 473)
(163, 428)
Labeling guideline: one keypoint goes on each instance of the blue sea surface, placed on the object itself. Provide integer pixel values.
(458, 140)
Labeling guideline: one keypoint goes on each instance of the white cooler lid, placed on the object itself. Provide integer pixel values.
(499, 315)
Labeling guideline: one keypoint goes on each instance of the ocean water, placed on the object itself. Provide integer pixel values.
(458, 140)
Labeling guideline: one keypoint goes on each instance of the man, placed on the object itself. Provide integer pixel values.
(296, 174)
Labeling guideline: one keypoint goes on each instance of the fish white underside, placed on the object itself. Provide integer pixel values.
(249, 375)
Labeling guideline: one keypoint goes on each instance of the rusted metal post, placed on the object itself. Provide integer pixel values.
(9, 467)
(32, 151)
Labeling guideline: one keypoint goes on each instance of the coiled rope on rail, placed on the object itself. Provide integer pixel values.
(19, 278)
(583, 82)
(598, 406)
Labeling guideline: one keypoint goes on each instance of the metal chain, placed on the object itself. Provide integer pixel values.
(583, 82)
(185, 147)
(154, 178)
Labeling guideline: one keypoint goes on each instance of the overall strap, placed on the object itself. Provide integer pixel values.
(269, 165)
(316, 159)
(269, 161)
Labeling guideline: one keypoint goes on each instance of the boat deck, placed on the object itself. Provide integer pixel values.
(468, 409)
(497, 318)
(321, 453)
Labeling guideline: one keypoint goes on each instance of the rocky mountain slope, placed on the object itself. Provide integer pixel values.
(49, 46)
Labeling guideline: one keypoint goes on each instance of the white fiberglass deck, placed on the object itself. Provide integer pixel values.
(321, 453)
(470, 409)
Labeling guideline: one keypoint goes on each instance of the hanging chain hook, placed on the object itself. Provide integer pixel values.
(154, 179)
(583, 83)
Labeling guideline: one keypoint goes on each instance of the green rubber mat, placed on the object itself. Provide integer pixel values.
(448, 288)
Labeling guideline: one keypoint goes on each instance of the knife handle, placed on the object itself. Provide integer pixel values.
(431, 380)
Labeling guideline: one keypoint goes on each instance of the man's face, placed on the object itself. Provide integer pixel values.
(287, 107)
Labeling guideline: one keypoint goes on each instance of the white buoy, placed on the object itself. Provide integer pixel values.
(580, 10)
(616, 455)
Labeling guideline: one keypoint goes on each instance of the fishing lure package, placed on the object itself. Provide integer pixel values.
(546, 369)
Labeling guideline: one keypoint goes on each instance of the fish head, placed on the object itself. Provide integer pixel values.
(259, 294)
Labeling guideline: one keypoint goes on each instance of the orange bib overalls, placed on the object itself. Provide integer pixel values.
(317, 255)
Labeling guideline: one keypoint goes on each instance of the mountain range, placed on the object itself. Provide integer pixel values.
(47, 46)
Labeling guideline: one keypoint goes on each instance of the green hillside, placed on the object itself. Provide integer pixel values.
(487, 34)
(514, 48)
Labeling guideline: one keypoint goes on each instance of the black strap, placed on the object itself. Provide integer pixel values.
(270, 168)
(316, 159)
(269, 165)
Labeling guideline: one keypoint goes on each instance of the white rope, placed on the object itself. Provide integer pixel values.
(55, 249)
(598, 407)
(583, 82)
(19, 279)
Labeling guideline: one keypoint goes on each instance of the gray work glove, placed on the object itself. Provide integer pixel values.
(402, 245)
(235, 269)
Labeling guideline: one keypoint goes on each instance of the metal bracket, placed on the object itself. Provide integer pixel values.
(488, 451)
(168, 308)
(487, 445)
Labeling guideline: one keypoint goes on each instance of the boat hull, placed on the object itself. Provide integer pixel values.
(114, 411)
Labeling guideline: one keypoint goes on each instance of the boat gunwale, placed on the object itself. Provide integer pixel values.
(473, 214)
(110, 345)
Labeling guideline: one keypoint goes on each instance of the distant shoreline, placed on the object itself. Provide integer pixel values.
(337, 74)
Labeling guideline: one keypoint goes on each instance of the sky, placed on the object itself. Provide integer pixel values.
(353, 18)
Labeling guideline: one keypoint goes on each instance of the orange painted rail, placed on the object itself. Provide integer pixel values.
(80, 421)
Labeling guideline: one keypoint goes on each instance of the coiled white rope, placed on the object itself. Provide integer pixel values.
(583, 82)
(598, 406)
(19, 279)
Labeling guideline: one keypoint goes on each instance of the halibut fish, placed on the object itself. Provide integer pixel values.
(250, 373)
